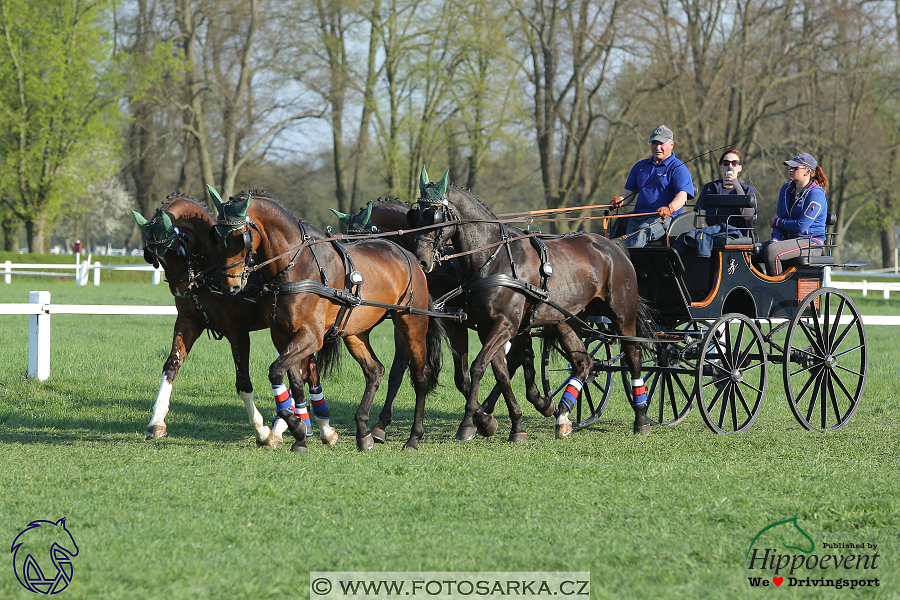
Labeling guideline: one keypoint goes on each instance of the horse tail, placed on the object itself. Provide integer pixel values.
(646, 323)
(329, 356)
(434, 350)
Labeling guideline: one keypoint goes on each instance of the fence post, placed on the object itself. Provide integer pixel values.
(39, 338)
(97, 273)
(8, 270)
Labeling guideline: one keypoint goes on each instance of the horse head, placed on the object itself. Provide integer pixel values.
(432, 210)
(359, 223)
(234, 233)
(166, 245)
(47, 542)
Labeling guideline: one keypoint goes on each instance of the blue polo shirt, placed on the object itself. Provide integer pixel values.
(657, 184)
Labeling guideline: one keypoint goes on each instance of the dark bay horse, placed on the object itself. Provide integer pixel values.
(177, 237)
(514, 283)
(319, 289)
(388, 215)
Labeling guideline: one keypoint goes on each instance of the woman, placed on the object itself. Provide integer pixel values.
(798, 226)
(731, 164)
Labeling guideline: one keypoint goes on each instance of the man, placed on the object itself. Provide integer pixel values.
(662, 184)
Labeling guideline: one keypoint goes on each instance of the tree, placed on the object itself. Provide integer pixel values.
(59, 103)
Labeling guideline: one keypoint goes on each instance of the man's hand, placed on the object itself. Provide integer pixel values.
(664, 211)
(617, 202)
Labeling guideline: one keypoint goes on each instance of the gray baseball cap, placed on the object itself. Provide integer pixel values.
(661, 134)
(802, 160)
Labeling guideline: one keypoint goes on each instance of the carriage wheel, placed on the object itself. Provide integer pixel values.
(669, 377)
(731, 375)
(556, 370)
(826, 371)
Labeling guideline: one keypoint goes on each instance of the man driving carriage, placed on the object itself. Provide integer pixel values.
(662, 185)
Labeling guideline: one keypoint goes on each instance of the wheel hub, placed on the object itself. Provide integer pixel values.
(737, 376)
(830, 361)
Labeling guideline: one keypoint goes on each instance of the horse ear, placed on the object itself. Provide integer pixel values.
(443, 183)
(423, 180)
(166, 221)
(216, 198)
(367, 216)
(345, 219)
(240, 210)
(141, 221)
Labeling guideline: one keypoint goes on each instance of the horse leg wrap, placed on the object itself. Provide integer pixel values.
(638, 393)
(284, 408)
(570, 395)
(323, 416)
(301, 412)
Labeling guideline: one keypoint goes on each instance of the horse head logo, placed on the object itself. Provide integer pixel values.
(787, 533)
(42, 546)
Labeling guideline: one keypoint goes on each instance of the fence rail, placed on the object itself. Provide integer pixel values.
(81, 270)
(38, 308)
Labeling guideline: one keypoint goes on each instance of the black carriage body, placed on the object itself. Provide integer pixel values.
(685, 288)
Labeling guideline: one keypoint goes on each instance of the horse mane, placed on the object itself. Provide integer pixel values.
(171, 198)
(467, 192)
(261, 195)
(391, 202)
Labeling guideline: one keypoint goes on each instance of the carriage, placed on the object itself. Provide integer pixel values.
(720, 324)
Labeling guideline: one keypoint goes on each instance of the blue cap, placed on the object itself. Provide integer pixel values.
(802, 160)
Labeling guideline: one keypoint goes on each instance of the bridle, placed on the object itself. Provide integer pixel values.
(443, 213)
(225, 228)
(158, 249)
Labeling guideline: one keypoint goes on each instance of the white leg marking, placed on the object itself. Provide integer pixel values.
(161, 406)
(256, 419)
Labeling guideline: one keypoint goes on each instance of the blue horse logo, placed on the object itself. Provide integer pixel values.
(50, 543)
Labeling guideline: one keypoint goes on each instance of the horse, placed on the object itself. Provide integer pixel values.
(318, 289)
(512, 285)
(388, 215)
(177, 237)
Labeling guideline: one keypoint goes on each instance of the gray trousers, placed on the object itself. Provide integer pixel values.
(776, 252)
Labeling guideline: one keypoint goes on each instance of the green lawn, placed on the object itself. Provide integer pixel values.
(203, 513)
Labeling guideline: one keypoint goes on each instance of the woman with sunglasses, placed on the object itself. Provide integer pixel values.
(798, 226)
(731, 164)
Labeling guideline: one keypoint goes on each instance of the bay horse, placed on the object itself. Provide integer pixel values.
(177, 237)
(387, 215)
(516, 280)
(319, 289)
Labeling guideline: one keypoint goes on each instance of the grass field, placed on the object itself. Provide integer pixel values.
(204, 514)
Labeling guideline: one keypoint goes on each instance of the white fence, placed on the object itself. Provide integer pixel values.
(81, 271)
(38, 308)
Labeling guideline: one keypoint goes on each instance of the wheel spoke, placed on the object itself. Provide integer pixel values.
(813, 341)
(812, 398)
(834, 400)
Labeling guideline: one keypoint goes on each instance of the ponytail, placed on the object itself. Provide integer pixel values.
(819, 178)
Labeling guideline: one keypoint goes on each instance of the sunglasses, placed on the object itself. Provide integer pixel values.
(795, 168)
(732, 163)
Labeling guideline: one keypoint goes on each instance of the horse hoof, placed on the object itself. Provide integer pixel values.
(411, 446)
(642, 429)
(272, 443)
(330, 439)
(299, 446)
(489, 428)
(563, 429)
(379, 434)
(464, 434)
(548, 409)
(156, 431)
(518, 437)
(365, 444)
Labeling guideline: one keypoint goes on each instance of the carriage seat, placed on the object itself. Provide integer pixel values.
(739, 211)
(805, 260)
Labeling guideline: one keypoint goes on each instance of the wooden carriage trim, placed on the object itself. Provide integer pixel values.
(784, 275)
(715, 290)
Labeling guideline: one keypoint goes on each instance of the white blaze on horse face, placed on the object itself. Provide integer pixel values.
(256, 419)
(161, 406)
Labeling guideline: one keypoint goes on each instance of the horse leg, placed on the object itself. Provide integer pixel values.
(501, 374)
(300, 347)
(492, 343)
(240, 352)
(395, 378)
(373, 371)
(638, 397)
(186, 333)
(423, 349)
(320, 409)
(581, 368)
(458, 338)
(521, 353)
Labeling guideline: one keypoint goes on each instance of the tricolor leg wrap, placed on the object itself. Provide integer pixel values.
(283, 398)
(570, 396)
(638, 393)
(319, 406)
(301, 412)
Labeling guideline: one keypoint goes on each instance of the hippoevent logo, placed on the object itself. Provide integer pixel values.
(783, 553)
(42, 556)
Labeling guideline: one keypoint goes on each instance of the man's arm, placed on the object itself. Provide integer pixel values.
(679, 201)
(624, 200)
